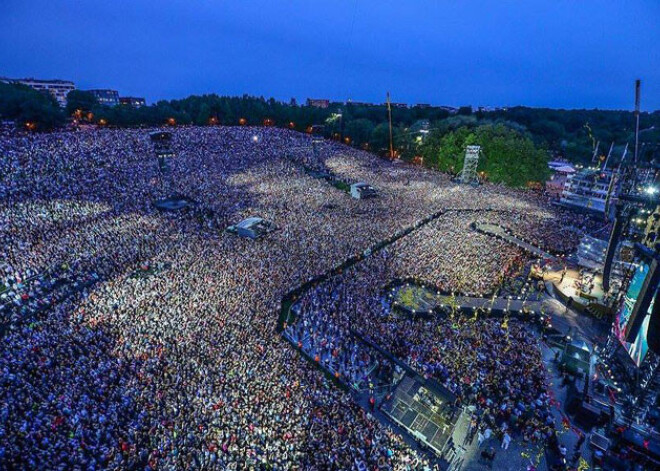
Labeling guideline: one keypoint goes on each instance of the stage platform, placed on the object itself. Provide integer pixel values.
(583, 289)
(424, 301)
(567, 289)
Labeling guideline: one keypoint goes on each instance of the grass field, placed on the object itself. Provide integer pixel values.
(343, 186)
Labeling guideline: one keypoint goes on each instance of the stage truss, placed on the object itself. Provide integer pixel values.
(469, 172)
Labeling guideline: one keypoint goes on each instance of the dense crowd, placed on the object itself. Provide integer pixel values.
(107, 364)
(557, 231)
(491, 364)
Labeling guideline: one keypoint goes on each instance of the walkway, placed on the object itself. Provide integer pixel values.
(500, 233)
(421, 300)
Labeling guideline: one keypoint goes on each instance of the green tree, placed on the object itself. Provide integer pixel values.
(359, 130)
(80, 100)
(379, 141)
(203, 115)
(24, 104)
(507, 156)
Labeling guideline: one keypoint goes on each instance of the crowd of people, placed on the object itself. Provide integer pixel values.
(556, 231)
(486, 362)
(182, 368)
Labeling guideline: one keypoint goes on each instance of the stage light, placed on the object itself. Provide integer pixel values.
(651, 190)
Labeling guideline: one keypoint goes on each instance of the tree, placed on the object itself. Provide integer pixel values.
(445, 151)
(80, 100)
(379, 140)
(359, 130)
(203, 115)
(510, 157)
(507, 156)
(24, 104)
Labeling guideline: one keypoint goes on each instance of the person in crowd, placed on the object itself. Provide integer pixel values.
(140, 339)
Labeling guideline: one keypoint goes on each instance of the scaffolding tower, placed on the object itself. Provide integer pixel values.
(162, 145)
(469, 172)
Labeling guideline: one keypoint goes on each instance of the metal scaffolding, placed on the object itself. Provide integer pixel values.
(162, 145)
(469, 172)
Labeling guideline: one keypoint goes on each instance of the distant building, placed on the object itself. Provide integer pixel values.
(135, 102)
(397, 105)
(106, 97)
(58, 89)
(422, 105)
(587, 189)
(318, 102)
(359, 103)
(450, 109)
(487, 109)
(293, 102)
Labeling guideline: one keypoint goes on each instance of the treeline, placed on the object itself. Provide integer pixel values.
(431, 136)
(28, 107)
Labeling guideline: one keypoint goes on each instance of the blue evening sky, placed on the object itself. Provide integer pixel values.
(555, 53)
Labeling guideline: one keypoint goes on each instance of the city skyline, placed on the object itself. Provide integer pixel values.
(558, 56)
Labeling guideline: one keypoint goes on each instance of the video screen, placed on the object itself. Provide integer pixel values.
(637, 349)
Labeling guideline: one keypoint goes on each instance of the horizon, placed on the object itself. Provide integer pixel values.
(302, 101)
(535, 55)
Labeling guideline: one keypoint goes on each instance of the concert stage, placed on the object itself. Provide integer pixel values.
(583, 289)
(582, 293)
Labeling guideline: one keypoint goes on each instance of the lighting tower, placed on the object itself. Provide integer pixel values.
(162, 143)
(469, 172)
